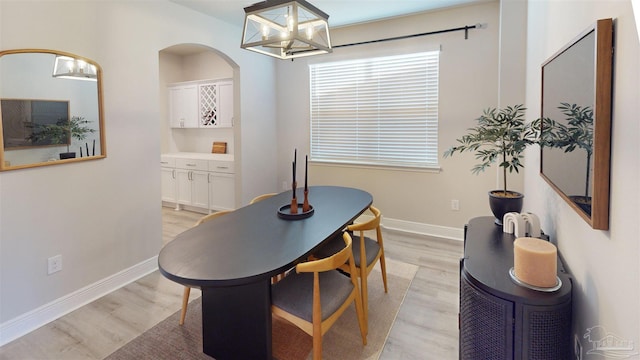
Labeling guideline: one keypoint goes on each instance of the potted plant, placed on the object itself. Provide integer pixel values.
(501, 135)
(62, 132)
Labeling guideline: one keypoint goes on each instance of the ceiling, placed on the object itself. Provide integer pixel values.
(341, 12)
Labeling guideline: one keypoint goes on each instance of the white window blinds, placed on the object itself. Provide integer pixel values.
(378, 111)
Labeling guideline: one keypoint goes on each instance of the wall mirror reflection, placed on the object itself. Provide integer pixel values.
(51, 109)
(576, 109)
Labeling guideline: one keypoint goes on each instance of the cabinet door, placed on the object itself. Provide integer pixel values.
(183, 106)
(200, 189)
(225, 104)
(168, 176)
(208, 109)
(222, 191)
(183, 179)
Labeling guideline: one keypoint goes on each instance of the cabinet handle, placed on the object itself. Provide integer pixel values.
(173, 173)
(164, 162)
(190, 176)
(222, 167)
(191, 164)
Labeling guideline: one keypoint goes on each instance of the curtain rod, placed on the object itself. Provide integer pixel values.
(464, 28)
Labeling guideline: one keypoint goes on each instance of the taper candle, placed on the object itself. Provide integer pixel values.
(306, 166)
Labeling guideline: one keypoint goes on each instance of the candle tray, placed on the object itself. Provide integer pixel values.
(284, 212)
(515, 279)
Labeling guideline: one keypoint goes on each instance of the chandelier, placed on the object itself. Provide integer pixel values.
(286, 29)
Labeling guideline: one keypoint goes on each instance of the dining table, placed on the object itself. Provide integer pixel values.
(232, 259)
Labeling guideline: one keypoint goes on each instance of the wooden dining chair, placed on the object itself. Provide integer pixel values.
(187, 289)
(261, 197)
(314, 296)
(366, 248)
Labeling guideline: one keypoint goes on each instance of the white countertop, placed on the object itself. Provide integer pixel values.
(200, 156)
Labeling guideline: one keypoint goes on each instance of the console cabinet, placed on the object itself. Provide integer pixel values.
(500, 319)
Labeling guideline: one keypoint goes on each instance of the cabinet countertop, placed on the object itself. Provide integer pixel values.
(199, 156)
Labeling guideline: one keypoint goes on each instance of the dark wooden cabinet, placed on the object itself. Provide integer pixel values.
(500, 319)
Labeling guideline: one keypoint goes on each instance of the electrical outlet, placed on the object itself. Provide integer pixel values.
(54, 264)
(577, 347)
(455, 205)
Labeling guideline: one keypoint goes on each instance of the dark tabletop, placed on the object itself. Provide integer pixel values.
(252, 243)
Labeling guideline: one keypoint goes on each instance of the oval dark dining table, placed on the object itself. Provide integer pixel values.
(233, 257)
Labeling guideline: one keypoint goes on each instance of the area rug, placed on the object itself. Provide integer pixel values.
(167, 340)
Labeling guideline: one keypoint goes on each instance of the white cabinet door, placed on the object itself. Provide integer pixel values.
(168, 176)
(225, 104)
(193, 188)
(183, 179)
(183, 106)
(222, 191)
(200, 189)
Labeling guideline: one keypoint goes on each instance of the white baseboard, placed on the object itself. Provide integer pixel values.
(23, 324)
(417, 228)
(423, 229)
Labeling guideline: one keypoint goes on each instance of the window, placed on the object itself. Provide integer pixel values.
(378, 111)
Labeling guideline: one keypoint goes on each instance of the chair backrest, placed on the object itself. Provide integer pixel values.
(211, 216)
(372, 224)
(261, 197)
(332, 262)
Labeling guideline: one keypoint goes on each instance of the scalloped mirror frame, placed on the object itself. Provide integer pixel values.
(102, 145)
(602, 100)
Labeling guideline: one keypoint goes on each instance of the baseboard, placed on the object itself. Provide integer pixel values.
(423, 229)
(23, 324)
(417, 228)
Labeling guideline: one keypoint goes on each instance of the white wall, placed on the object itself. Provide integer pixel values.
(604, 264)
(468, 85)
(104, 216)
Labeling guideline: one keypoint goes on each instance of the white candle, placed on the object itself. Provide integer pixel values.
(535, 261)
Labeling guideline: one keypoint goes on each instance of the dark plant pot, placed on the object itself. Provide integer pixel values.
(67, 155)
(583, 202)
(501, 204)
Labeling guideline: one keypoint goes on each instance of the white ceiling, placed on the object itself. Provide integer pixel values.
(341, 12)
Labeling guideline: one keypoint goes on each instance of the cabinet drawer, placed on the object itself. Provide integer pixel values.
(221, 166)
(166, 161)
(191, 164)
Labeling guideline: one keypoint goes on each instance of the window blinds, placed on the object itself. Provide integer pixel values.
(378, 111)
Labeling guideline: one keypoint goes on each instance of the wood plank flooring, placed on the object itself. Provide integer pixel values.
(426, 326)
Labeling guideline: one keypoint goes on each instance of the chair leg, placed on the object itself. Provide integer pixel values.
(365, 297)
(383, 267)
(185, 302)
(361, 322)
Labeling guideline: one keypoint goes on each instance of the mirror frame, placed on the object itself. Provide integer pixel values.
(103, 145)
(603, 71)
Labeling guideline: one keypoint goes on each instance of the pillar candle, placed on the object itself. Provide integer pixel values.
(535, 261)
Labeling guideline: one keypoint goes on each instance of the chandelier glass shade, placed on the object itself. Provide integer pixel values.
(71, 68)
(286, 29)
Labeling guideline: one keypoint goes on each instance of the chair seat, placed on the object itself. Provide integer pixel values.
(371, 248)
(294, 293)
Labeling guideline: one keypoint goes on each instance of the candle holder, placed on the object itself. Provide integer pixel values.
(294, 200)
(305, 204)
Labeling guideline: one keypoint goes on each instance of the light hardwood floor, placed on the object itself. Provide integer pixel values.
(426, 326)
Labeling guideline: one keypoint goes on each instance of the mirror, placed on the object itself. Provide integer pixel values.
(576, 126)
(51, 109)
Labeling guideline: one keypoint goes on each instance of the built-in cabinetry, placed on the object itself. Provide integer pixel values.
(500, 319)
(201, 104)
(201, 181)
